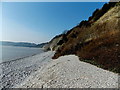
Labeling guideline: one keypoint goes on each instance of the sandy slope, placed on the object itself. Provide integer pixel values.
(69, 72)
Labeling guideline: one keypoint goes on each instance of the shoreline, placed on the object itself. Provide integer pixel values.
(14, 72)
(22, 57)
(19, 58)
(41, 71)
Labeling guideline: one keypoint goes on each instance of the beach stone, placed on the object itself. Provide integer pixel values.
(60, 73)
(14, 72)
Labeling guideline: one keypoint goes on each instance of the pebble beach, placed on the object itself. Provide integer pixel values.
(41, 71)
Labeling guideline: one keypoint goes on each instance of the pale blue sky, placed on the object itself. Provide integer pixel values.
(0, 20)
(55, 0)
(39, 22)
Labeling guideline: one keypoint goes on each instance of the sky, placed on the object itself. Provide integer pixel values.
(39, 22)
(55, 0)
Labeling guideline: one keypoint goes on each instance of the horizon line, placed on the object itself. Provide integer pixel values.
(21, 41)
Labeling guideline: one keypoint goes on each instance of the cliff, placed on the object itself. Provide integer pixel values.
(96, 40)
(53, 44)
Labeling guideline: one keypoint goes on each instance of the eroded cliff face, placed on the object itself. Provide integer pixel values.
(97, 40)
(53, 44)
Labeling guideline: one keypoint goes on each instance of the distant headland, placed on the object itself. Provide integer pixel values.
(22, 44)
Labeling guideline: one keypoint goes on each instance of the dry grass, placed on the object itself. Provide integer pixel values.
(98, 44)
(104, 51)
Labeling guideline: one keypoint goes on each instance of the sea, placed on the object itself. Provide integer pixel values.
(8, 53)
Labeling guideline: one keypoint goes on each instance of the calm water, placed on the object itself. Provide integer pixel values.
(8, 53)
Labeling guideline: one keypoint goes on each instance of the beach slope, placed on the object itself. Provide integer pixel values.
(70, 72)
(16, 71)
